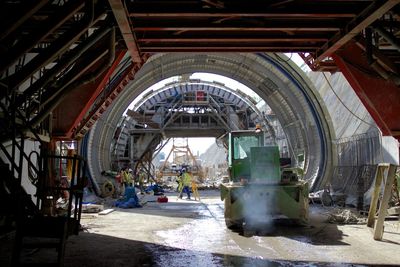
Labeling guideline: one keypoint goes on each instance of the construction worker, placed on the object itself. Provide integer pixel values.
(180, 182)
(185, 182)
(142, 178)
(127, 177)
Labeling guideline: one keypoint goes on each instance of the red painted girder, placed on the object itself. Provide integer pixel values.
(98, 108)
(271, 27)
(119, 56)
(235, 48)
(125, 28)
(380, 97)
(232, 40)
(327, 65)
(241, 15)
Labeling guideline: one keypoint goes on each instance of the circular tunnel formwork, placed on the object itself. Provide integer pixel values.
(274, 77)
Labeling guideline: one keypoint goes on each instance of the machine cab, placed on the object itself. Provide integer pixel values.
(250, 160)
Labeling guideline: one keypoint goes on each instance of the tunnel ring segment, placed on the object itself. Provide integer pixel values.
(277, 80)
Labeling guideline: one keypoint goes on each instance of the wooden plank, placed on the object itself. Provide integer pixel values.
(375, 195)
(105, 212)
(378, 229)
(92, 208)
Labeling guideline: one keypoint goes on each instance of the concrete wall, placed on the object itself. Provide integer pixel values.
(348, 114)
(351, 120)
(358, 143)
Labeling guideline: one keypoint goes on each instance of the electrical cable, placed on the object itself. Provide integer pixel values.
(344, 105)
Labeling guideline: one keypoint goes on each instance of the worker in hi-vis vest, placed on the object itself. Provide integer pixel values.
(185, 183)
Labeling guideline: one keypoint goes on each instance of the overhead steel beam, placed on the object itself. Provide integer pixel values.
(99, 89)
(374, 11)
(125, 27)
(74, 55)
(101, 105)
(291, 9)
(52, 99)
(388, 37)
(174, 39)
(215, 28)
(225, 48)
(238, 14)
(240, 26)
(58, 47)
(28, 11)
(48, 26)
(377, 55)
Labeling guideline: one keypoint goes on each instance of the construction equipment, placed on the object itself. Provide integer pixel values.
(259, 192)
(182, 157)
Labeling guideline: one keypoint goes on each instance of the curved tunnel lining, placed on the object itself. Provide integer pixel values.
(173, 64)
(323, 143)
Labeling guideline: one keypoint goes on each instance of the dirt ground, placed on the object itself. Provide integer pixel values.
(193, 233)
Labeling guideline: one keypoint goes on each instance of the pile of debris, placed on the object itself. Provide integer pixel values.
(345, 216)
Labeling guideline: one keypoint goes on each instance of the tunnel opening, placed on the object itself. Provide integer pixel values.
(292, 109)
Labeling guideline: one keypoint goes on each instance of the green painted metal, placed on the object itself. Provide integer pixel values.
(257, 191)
(255, 203)
(265, 166)
(240, 144)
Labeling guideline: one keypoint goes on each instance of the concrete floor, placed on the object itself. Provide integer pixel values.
(189, 233)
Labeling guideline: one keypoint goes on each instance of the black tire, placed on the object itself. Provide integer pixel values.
(233, 225)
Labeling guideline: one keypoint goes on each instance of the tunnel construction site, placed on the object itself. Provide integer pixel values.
(107, 109)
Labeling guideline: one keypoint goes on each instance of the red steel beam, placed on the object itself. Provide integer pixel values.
(379, 96)
(314, 28)
(240, 14)
(241, 26)
(236, 48)
(98, 108)
(376, 10)
(125, 27)
(98, 90)
(231, 40)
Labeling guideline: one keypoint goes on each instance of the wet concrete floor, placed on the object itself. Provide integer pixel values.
(186, 233)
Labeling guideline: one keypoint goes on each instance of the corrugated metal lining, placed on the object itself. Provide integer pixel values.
(357, 159)
(360, 149)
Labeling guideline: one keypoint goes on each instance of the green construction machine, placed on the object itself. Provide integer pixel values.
(260, 191)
